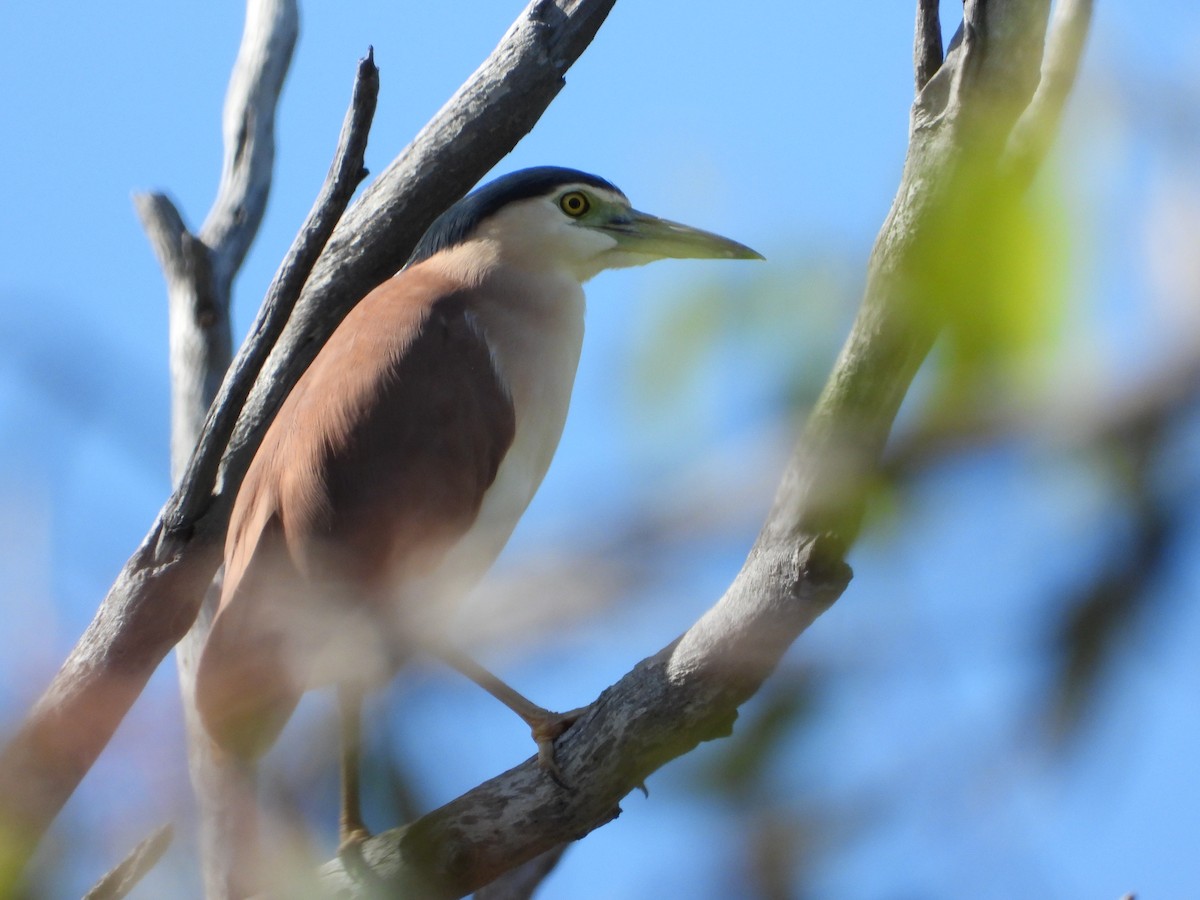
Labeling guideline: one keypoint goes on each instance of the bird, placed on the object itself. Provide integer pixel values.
(398, 466)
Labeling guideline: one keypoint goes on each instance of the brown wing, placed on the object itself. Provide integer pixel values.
(375, 465)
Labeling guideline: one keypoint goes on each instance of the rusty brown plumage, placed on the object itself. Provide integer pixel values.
(375, 465)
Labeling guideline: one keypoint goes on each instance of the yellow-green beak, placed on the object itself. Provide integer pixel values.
(647, 235)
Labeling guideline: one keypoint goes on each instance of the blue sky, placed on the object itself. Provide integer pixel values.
(782, 126)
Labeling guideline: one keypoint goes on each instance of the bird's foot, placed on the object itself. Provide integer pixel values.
(350, 853)
(352, 837)
(547, 727)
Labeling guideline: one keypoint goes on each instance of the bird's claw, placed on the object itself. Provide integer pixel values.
(354, 862)
(352, 840)
(546, 730)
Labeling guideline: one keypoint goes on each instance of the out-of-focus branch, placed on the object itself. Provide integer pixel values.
(198, 321)
(691, 690)
(1034, 131)
(200, 271)
(248, 129)
(200, 268)
(1083, 420)
(125, 876)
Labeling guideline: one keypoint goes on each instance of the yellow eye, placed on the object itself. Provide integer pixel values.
(574, 203)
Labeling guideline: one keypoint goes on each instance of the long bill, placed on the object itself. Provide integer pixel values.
(646, 235)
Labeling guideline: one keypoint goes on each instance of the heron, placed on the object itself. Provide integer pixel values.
(400, 463)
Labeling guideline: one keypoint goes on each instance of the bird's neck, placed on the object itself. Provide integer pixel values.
(534, 325)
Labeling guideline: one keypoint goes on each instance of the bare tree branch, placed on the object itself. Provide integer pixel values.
(200, 268)
(927, 45)
(248, 126)
(1031, 138)
(159, 590)
(198, 316)
(125, 876)
(200, 272)
(690, 691)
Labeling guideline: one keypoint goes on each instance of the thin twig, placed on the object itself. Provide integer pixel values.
(1038, 125)
(927, 45)
(345, 174)
(124, 877)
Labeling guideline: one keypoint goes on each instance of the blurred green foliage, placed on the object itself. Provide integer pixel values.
(996, 271)
(780, 324)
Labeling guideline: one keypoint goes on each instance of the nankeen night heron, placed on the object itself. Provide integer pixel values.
(400, 463)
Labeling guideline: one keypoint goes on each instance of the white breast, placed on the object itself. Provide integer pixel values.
(534, 324)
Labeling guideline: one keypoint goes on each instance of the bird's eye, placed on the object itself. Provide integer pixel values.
(574, 203)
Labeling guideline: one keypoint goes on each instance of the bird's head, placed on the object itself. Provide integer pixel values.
(563, 218)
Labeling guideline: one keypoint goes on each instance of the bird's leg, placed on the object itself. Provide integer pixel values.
(545, 726)
(351, 829)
